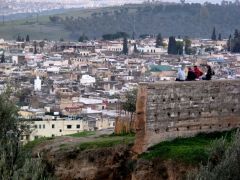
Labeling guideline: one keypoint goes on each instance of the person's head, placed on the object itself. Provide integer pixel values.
(183, 67)
(189, 69)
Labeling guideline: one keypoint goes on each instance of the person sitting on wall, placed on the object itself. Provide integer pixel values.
(209, 74)
(197, 72)
(191, 75)
(181, 74)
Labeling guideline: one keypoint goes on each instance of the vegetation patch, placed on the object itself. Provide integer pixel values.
(83, 134)
(189, 150)
(30, 145)
(107, 141)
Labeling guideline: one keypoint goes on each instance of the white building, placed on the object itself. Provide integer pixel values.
(87, 80)
(151, 49)
(37, 84)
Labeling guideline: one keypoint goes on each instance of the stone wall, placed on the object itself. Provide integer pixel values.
(167, 110)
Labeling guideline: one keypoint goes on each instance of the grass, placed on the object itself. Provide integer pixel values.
(107, 141)
(83, 134)
(30, 145)
(189, 150)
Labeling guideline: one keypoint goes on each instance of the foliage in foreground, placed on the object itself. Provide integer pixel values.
(14, 162)
(223, 162)
(192, 150)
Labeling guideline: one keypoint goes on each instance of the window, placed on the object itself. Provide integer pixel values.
(40, 126)
(27, 137)
(53, 126)
(69, 126)
(35, 137)
(60, 130)
(43, 126)
(78, 126)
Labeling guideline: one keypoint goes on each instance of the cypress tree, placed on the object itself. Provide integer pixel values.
(35, 47)
(125, 46)
(3, 58)
(214, 36)
(229, 43)
(179, 48)
(188, 44)
(172, 47)
(219, 36)
(159, 40)
(135, 50)
(27, 38)
(236, 34)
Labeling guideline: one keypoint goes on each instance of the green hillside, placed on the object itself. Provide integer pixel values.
(192, 20)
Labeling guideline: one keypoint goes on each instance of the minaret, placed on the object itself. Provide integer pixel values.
(37, 84)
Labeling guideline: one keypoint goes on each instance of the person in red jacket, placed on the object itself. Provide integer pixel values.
(197, 72)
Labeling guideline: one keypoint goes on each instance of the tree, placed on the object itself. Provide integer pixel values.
(159, 40)
(3, 58)
(129, 104)
(214, 36)
(35, 47)
(234, 43)
(41, 45)
(135, 50)
(20, 39)
(83, 38)
(117, 35)
(179, 48)
(236, 34)
(229, 43)
(125, 46)
(172, 49)
(27, 38)
(182, 1)
(188, 44)
(9, 135)
(23, 45)
(219, 36)
(14, 162)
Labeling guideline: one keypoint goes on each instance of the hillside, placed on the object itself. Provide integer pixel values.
(88, 156)
(192, 20)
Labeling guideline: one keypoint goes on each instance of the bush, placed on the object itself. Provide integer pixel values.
(223, 162)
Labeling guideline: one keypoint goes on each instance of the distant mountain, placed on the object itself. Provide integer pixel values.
(193, 20)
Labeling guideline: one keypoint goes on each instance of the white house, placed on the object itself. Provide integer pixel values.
(87, 80)
(37, 84)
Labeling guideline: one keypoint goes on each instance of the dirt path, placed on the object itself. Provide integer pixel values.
(68, 141)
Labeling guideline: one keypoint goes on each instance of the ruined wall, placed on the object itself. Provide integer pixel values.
(167, 110)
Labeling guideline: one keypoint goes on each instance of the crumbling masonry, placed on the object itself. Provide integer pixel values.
(167, 110)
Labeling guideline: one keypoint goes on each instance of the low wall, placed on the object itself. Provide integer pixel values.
(167, 110)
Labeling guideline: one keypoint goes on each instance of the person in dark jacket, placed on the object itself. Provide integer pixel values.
(209, 74)
(191, 75)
